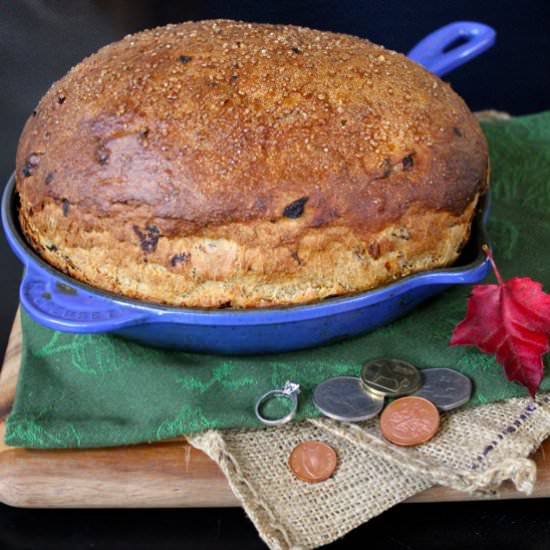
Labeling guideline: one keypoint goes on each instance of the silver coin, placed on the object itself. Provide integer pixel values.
(390, 377)
(447, 389)
(343, 398)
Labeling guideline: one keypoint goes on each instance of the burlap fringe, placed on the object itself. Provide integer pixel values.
(273, 532)
(521, 471)
(475, 451)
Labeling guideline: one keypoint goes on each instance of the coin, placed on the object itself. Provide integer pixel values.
(409, 421)
(313, 461)
(447, 389)
(390, 377)
(343, 398)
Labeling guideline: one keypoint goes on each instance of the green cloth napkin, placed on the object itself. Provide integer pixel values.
(100, 390)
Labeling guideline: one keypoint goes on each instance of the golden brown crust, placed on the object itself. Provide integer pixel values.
(227, 269)
(286, 148)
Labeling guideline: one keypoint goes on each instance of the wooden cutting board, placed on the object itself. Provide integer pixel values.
(168, 474)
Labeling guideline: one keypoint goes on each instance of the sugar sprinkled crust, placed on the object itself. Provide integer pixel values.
(227, 164)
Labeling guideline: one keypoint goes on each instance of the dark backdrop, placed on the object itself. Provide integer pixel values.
(41, 39)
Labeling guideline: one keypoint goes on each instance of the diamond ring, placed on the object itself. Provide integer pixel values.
(290, 390)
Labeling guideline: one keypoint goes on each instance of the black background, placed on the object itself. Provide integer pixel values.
(41, 39)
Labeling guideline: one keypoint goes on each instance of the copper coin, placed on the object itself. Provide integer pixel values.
(313, 461)
(409, 421)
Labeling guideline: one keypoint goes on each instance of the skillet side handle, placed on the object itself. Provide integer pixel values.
(437, 53)
(61, 307)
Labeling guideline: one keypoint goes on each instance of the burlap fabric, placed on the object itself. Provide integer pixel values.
(475, 451)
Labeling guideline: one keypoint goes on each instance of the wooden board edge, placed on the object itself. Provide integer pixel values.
(189, 477)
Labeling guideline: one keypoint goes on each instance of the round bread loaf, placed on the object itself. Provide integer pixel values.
(228, 164)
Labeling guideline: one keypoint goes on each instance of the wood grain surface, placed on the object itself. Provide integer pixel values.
(160, 475)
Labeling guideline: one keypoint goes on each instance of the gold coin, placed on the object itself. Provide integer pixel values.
(390, 377)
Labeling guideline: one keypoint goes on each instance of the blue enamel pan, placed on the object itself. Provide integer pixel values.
(59, 302)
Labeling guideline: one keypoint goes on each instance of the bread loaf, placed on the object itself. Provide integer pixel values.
(227, 164)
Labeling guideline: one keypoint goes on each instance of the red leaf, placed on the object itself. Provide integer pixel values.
(512, 320)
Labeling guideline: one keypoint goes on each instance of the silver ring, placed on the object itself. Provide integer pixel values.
(290, 390)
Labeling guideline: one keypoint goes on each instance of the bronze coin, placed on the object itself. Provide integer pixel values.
(409, 421)
(313, 461)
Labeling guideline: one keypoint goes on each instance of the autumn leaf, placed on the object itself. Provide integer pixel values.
(512, 320)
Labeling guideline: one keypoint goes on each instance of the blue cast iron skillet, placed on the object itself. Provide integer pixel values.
(62, 303)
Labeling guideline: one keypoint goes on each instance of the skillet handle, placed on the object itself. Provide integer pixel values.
(437, 53)
(59, 306)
